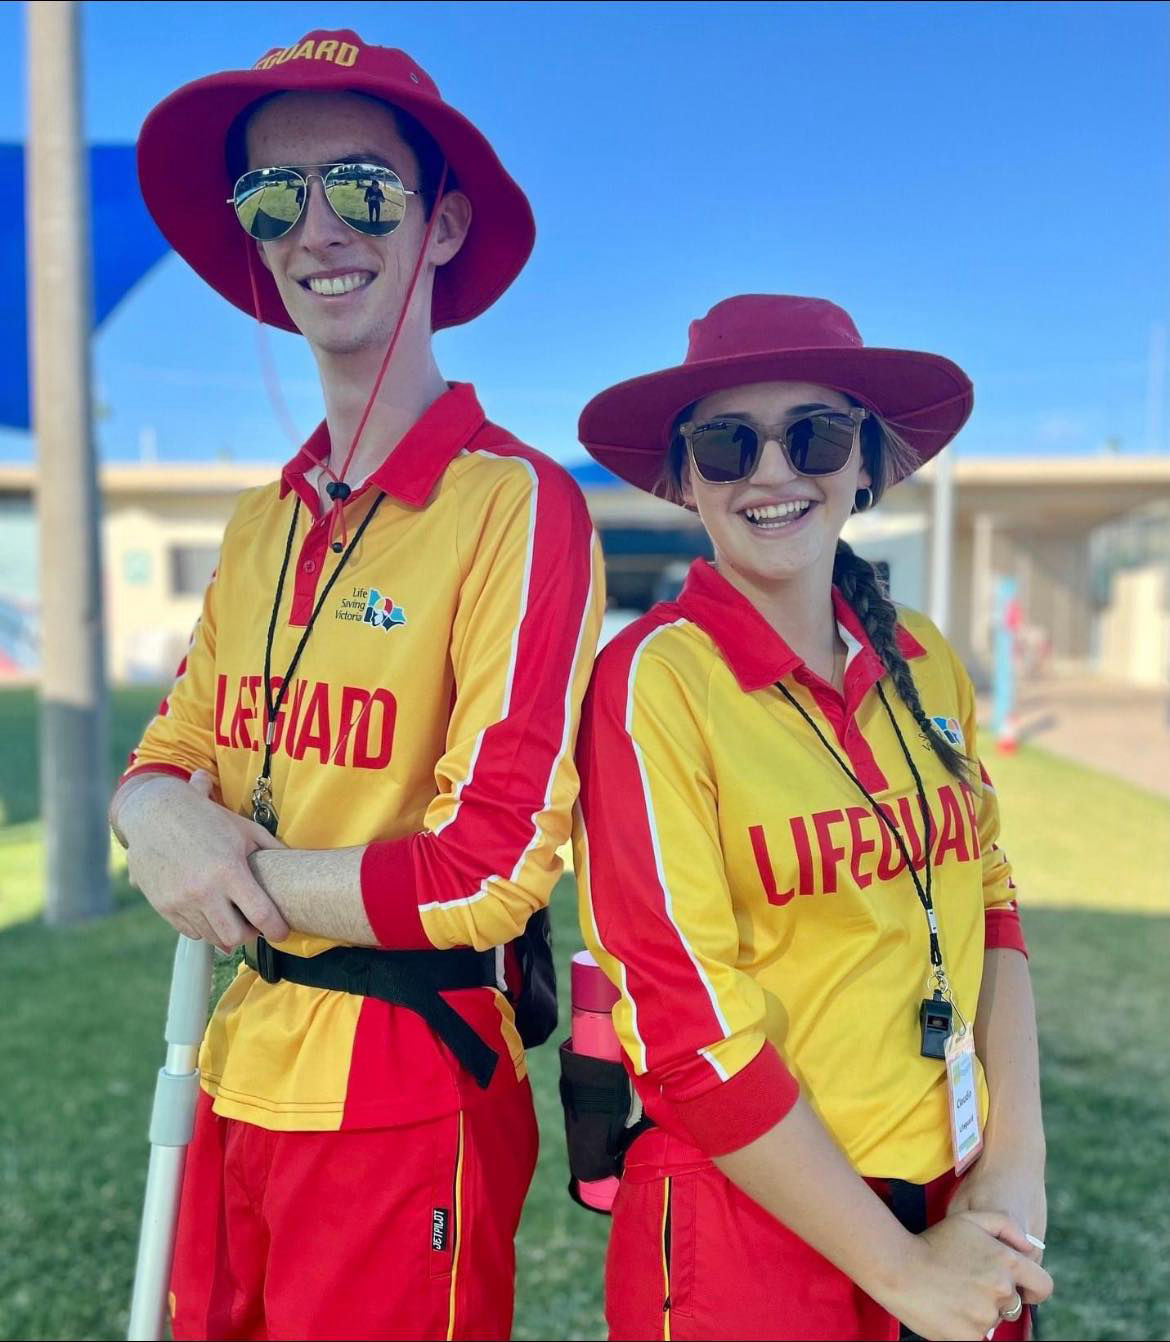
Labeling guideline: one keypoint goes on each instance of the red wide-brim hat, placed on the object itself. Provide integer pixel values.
(182, 167)
(924, 398)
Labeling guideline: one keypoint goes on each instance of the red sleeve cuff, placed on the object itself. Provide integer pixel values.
(740, 1110)
(388, 892)
(1002, 930)
(173, 769)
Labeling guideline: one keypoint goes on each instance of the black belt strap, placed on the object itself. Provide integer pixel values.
(411, 979)
(908, 1203)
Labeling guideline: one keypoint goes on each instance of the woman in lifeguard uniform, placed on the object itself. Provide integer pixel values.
(789, 866)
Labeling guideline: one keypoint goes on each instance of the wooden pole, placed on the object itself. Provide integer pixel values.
(73, 705)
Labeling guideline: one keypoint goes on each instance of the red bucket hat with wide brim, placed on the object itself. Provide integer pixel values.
(924, 398)
(182, 167)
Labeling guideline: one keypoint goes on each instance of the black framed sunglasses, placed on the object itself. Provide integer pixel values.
(368, 197)
(728, 449)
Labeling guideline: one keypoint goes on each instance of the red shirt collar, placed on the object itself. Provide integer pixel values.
(756, 653)
(412, 468)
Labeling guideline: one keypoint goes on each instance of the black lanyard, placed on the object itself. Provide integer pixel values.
(263, 812)
(935, 1013)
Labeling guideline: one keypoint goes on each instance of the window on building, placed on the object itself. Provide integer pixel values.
(191, 568)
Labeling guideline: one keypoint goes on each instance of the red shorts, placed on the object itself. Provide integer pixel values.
(399, 1232)
(690, 1256)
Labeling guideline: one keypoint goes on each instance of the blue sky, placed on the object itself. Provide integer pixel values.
(984, 180)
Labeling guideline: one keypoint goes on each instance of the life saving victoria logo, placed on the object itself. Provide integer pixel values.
(949, 730)
(369, 606)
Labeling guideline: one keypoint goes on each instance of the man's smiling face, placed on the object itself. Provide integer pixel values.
(343, 289)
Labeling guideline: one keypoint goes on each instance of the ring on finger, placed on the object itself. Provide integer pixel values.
(1013, 1311)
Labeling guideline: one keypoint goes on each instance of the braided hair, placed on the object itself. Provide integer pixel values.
(860, 585)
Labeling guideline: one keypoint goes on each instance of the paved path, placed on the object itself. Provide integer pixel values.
(1119, 729)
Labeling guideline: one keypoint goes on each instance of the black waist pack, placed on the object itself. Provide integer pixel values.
(603, 1115)
(535, 1003)
(411, 979)
(415, 980)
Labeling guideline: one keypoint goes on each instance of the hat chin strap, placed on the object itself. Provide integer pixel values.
(337, 489)
(264, 353)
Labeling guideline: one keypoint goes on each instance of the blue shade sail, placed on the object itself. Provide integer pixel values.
(125, 244)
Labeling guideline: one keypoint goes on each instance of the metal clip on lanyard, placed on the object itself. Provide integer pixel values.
(937, 1012)
(263, 811)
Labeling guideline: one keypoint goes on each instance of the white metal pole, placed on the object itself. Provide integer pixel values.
(981, 579)
(73, 717)
(172, 1121)
(942, 538)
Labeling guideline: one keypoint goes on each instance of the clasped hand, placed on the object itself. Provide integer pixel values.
(188, 855)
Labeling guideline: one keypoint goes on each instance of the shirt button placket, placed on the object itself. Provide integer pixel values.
(307, 574)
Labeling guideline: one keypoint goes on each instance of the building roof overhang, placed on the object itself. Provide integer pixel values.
(1033, 493)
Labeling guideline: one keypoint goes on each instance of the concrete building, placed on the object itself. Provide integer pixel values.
(1087, 539)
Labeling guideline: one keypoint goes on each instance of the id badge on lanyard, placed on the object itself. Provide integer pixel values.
(963, 1098)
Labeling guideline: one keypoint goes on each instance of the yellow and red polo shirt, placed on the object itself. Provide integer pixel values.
(747, 901)
(432, 716)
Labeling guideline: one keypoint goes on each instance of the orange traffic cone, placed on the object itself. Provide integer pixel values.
(1009, 735)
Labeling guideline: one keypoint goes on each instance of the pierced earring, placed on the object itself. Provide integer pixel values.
(863, 499)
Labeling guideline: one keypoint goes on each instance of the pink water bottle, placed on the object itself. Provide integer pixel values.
(593, 996)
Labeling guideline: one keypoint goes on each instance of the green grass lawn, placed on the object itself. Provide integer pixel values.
(82, 1027)
(1078, 838)
(21, 869)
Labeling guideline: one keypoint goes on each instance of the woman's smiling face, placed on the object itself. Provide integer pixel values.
(776, 523)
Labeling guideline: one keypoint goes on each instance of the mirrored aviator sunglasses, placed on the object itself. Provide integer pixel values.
(367, 196)
(728, 449)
